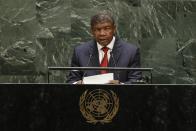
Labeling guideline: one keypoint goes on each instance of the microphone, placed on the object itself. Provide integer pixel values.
(89, 59)
(111, 55)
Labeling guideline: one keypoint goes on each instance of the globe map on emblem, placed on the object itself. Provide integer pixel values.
(99, 105)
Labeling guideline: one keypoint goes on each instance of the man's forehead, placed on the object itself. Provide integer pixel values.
(103, 23)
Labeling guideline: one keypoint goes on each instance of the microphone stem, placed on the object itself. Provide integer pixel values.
(111, 54)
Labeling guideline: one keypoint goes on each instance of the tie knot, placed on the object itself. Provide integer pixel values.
(105, 49)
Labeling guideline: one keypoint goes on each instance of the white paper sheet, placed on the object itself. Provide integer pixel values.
(99, 79)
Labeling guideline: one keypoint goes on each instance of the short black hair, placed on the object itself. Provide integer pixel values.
(103, 16)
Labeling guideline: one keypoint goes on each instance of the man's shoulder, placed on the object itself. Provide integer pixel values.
(127, 45)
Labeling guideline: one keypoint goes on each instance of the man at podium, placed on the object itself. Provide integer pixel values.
(106, 49)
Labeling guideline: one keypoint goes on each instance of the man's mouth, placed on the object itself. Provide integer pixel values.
(103, 40)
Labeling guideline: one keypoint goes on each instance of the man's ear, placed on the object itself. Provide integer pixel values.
(91, 31)
(114, 29)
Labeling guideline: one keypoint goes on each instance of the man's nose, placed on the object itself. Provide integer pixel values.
(102, 32)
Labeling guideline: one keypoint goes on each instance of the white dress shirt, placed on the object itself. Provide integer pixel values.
(110, 47)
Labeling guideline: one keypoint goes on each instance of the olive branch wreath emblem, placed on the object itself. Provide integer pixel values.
(109, 115)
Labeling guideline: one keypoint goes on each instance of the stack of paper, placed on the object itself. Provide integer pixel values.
(99, 79)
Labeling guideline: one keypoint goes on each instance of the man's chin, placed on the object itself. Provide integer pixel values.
(103, 43)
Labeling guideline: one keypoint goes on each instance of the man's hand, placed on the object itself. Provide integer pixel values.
(79, 82)
(115, 82)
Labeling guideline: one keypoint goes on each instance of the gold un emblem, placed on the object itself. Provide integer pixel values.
(99, 106)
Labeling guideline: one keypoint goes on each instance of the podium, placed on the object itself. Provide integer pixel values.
(61, 107)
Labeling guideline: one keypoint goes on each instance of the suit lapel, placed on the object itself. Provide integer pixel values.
(95, 56)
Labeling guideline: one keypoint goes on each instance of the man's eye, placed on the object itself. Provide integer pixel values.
(107, 28)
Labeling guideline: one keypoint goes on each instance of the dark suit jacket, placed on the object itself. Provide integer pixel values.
(124, 54)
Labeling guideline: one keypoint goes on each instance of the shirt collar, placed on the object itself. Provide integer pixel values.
(110, 45)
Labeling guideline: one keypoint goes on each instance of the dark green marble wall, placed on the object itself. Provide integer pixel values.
(35, 34)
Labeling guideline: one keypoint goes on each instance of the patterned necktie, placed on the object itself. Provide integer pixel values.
(104, 62)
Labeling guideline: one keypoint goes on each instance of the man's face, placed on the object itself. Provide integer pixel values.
(103, 32)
